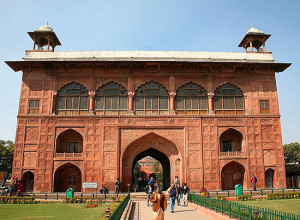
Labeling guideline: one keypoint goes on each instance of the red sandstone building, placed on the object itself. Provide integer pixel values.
(211, 118)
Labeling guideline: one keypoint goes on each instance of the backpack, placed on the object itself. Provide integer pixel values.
(173, 192)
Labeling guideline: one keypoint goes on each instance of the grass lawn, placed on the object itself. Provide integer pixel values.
(50, 211)
(284, 205)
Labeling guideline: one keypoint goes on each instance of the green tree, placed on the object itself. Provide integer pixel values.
(6, 156)
(292, 152)
(157, 169)
(137, 169)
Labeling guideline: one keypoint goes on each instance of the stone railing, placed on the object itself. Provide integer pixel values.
(233, 153)
(68, 155)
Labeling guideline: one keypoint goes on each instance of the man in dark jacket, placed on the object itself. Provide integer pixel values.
(185, 193)
(172, 191)
(179, 191)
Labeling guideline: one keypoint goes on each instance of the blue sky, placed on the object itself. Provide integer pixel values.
(172, 25)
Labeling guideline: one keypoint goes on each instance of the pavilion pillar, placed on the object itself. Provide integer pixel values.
(251, 46)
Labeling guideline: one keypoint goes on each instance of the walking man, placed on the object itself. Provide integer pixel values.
(185, 193)
(179, 193)
(172, 191)
(159, 204)
(117, 186)
(149, 191)
(254, 181)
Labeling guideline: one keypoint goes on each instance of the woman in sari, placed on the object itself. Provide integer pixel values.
(159, 204)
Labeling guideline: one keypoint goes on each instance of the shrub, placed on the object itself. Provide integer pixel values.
(16, 200)
(287, 195)
(221, 197)
(244, 197)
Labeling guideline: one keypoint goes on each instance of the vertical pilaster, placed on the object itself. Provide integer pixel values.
(172, 94)
(91, 102)
(210, 97)
(246, 104)
(130, 94)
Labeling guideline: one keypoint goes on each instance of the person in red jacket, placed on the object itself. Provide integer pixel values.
(254, 181)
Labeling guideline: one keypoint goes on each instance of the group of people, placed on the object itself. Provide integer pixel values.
(141, 183)
(158, 200)
(14, 189)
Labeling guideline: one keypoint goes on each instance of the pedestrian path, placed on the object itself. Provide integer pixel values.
(142, 212)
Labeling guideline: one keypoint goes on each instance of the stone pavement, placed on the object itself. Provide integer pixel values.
(142, 212)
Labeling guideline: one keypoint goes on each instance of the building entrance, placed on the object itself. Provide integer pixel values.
(67, 176)
(154, 146)
(161, 177)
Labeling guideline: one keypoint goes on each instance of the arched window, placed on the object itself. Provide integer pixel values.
(152, 99)
(228, 99)
(191, 99)
(111, 98)
(231, 140)
(72, 99)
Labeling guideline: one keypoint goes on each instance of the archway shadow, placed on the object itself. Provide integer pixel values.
(163, 159)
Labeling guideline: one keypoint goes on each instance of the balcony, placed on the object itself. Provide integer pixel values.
(68, 156)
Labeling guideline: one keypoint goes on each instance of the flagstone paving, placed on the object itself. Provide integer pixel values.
(142, 212)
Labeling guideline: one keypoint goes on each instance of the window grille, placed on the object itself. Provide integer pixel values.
(72, 99)
(151, 98)
(191, 99)
(228, 99)
(111, 98)
(264, 106)
(34, 107)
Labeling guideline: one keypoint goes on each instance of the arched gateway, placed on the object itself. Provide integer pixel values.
(155, 146)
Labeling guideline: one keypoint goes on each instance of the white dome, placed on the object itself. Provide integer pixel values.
(253, 30)
(45, 27)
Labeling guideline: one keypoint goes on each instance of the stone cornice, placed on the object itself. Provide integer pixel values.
(148, 116)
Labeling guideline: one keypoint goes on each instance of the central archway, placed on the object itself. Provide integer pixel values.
(156, 147)
(163, 159)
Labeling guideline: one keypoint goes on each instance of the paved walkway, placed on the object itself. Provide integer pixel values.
(142, 212)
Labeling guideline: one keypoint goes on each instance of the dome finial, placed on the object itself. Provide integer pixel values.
(254, 30)
(45, 27)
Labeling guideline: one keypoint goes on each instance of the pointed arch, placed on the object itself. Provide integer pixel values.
(232, 174)
(152, 145)
(228, 99)
(111, 98)
(67, 176)
(231, 140)
(69, 141)
(72, 99)
(28, 181)
(151, 98)
(269, 178)
(191, 98)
